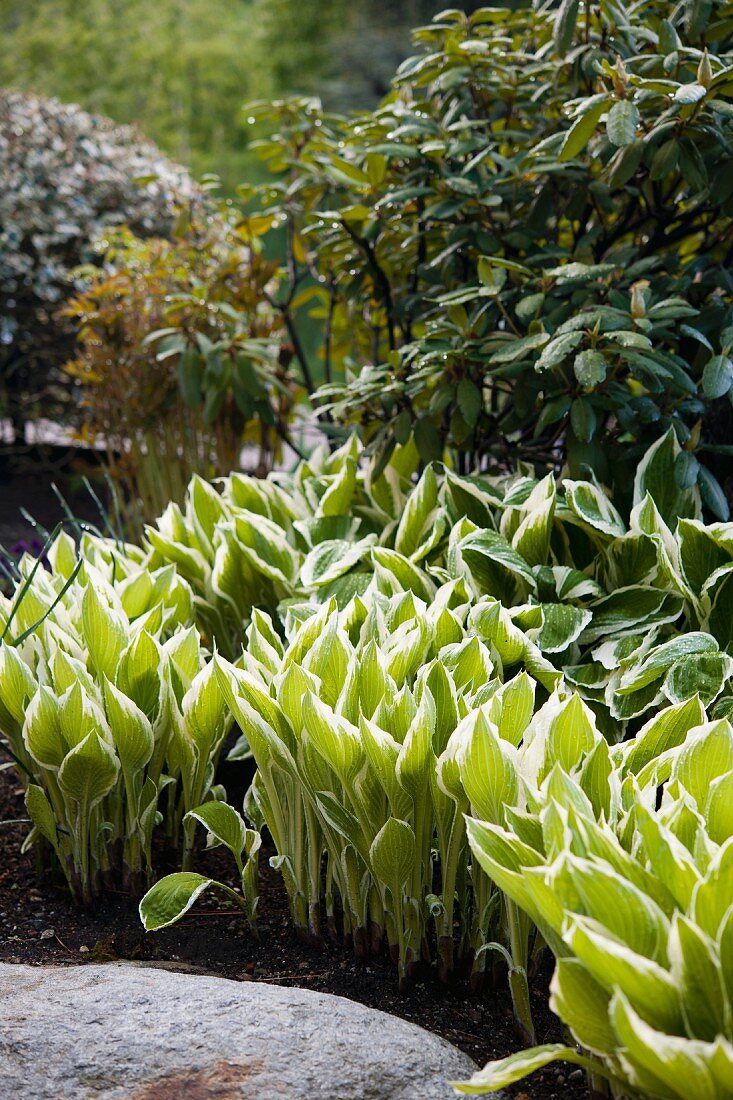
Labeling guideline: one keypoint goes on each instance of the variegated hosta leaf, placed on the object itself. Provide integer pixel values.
(637, 907)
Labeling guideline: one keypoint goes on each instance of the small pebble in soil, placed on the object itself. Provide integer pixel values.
(575, 1075)
(83, 950)
(47, 934)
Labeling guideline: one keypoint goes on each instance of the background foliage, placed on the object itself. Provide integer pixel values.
(67, 178)
(182, 69)
(523, 251)
(179, 360)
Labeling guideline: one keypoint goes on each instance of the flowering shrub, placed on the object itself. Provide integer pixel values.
(66, 179)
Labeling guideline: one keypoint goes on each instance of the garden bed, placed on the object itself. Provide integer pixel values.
(40, 925)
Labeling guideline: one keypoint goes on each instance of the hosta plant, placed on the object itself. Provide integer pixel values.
(622, 859)
(356, 722)
(633, 608)
(108, 709)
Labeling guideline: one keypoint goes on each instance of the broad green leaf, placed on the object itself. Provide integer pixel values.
(131, 730)
(89, 772)
(393, 854)
(622, 123)
(169, 899)
(505, 1071)
(224, 824)
(695, 967)
(582, 1005)
(582, 130)
(678, 1063)
(590, 368)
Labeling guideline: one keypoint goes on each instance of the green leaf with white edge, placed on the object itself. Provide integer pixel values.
(104, 632)
(620, 907)
(335, 739)
(622, 123)
(489, 769)
(41, 813)
(678, 1063)
(561, 626)
(704, 675)
(204, 710)
(571, 732)
(711, 896)
(172, 897)
(655, 476)
(224, 825)
(637, 673)
(704, 758)
(139, 673)
(89, 772)
(490, 557)
(648, 986)
(591, 505)
(339, 494)
(669, 859)
(131, 729)
(506, 1071)
(718, 809)
(392, 854)
(336, 816)
(695, 967)
(582, 1005)
(532, 537)
(204, 509)
(418, 514)
(42, 729)
(511, 708)
(332, 559)
(17, 683)
(663, 731)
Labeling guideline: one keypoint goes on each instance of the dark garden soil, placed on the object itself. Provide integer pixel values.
(26, 482)
(39, 924)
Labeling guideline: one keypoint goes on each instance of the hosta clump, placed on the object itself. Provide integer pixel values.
(260, 542)
(108, 709)
(359, 722)
(635, 610)
(623, 860)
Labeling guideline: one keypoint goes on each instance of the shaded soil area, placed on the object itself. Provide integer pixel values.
(40, 924)
(27, 485)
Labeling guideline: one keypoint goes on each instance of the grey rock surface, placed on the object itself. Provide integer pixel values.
(119, 1030)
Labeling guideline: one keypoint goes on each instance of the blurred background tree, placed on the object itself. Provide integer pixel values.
(182, 69)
